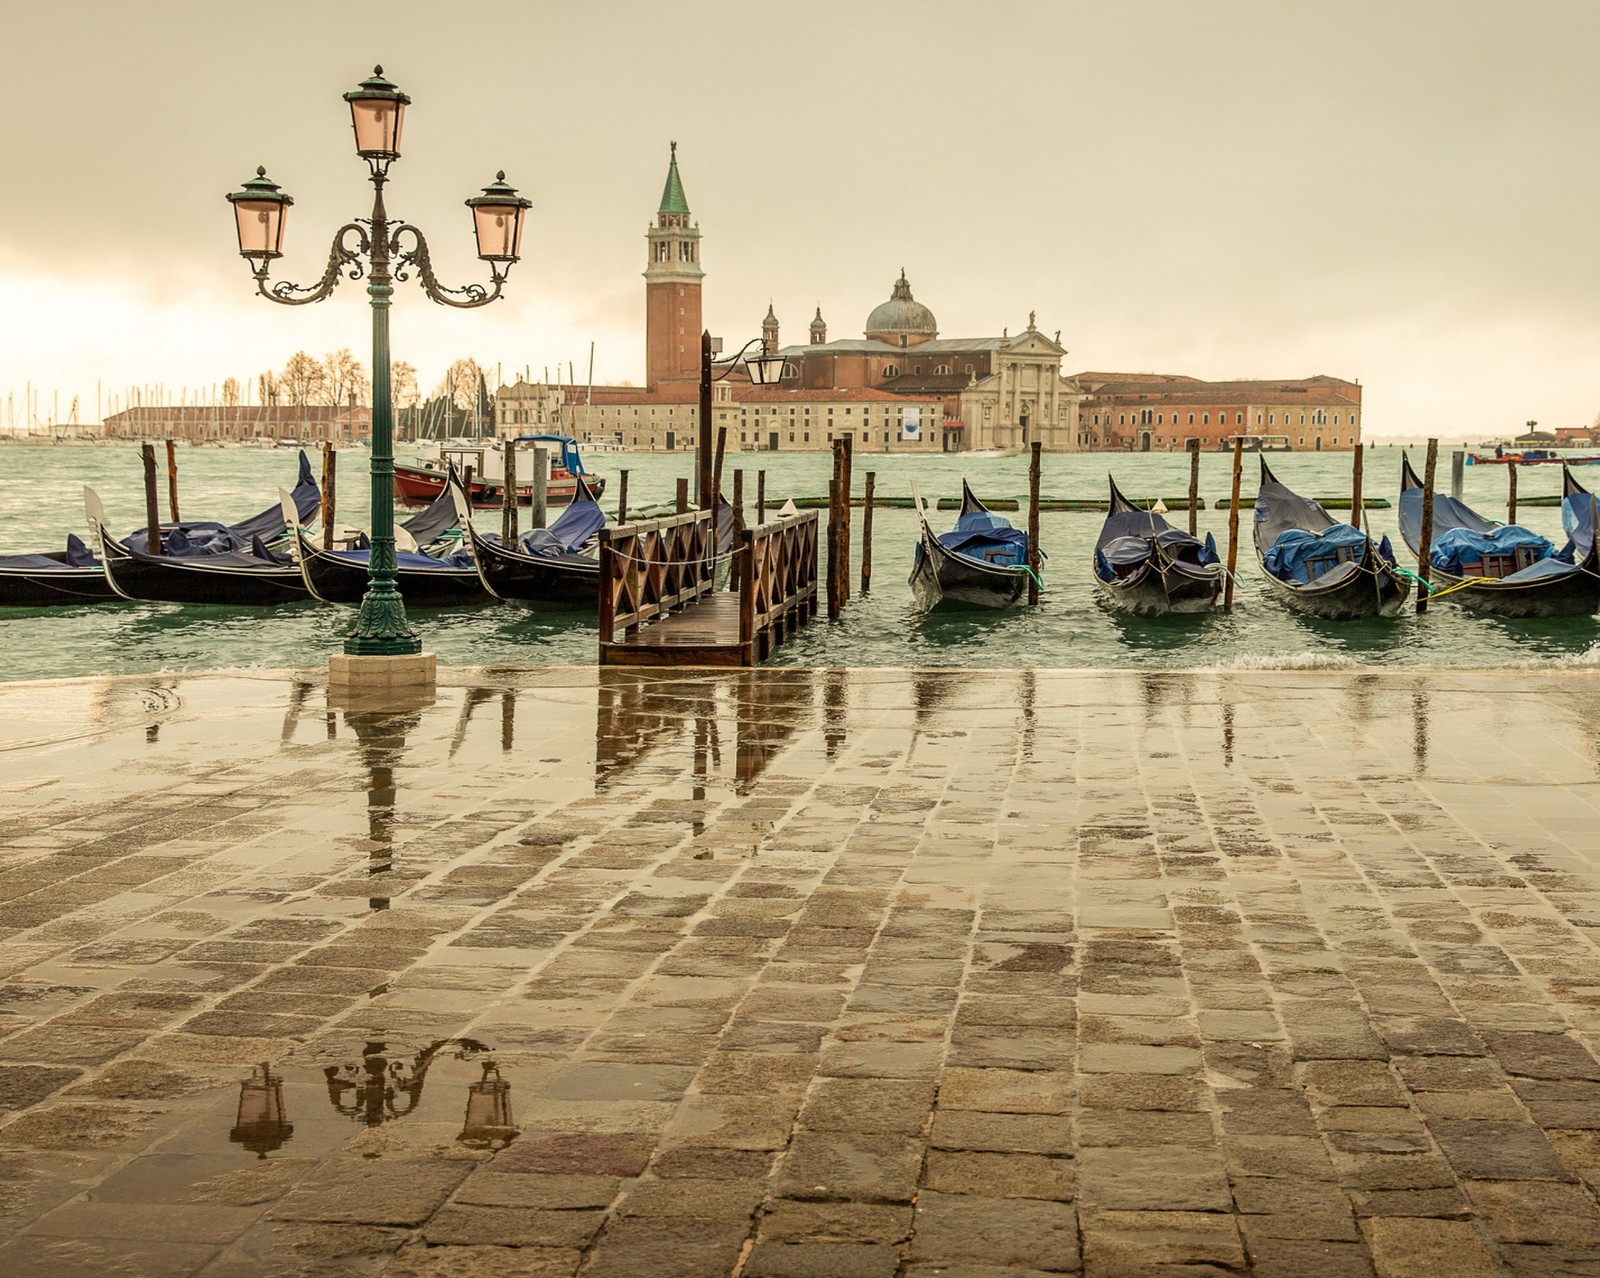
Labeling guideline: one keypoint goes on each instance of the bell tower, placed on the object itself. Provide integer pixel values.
(672, 289)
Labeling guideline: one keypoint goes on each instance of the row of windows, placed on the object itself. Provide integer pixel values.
(1145, 417)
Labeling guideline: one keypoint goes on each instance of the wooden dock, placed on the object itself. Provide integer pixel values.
(658, 588)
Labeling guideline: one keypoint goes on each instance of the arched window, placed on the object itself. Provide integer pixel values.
(941, 368)
(891, 370)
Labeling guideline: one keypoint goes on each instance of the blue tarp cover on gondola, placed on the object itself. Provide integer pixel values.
(1289, 557)
(1129, 551)
(987, 538)
(206, 537)
(1453, 550)
(407, 559)
(572, 530)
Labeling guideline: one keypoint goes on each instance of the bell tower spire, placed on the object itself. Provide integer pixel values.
(672, 288)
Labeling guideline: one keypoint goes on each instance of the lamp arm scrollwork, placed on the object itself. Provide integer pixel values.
(416, 258)
(722, 367)
(342, 259)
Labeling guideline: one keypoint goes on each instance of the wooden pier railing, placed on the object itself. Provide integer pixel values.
(777, 582)
(657, 589)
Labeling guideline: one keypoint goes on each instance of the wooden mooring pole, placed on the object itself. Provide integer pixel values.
(835, 600)
(1430, 472)
(761, 496)
(1033, 523)
(845, 486)
(1356, 464)
(539, 514)
(1233, 522)
(152, 507)
(683, 495)
(1511, 493)
(508, 498)
(735, 576)
(330, 464)
(866, 532)
(172, 479)
(622, 496)
(1194, 487)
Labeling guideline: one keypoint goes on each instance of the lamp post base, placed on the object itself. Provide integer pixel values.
(401, 677)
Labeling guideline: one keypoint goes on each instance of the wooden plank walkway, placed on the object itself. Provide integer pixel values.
(658, 605)
(704, 634)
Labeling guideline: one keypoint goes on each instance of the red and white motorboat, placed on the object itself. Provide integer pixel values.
(421, 482)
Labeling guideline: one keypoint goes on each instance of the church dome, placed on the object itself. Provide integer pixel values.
(902, 316)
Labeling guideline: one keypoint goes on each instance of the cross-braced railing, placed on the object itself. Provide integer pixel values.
(777, 582)
(651, 569)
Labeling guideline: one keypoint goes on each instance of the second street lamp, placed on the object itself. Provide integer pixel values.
(383, 251)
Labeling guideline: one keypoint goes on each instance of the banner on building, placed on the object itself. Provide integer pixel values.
(910, 423)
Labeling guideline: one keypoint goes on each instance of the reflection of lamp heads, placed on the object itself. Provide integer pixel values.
(384, 1087)
(489, 1119)
(262, 1125)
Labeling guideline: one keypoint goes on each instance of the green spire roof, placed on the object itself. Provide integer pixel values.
(672, 197)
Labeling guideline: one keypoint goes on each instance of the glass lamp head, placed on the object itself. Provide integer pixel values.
(765, 370)
(497, 220)
(260, 210)
(377, 113)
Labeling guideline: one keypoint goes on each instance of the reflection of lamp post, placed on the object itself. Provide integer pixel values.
(368, 246)
(488, 1110)
(764, 370)
(261, 1126)
(383, 1088)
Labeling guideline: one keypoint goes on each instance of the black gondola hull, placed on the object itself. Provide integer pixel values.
(164, 579)
(1573, 595)
(342, 581)
(1360, 595)
(1152, 592)
(569, 579)
(940, 579)
(53, 587)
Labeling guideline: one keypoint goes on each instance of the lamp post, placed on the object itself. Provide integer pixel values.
(764, 370)
(384, 251)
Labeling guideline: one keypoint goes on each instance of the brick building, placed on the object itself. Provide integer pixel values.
(306, 423)
(1162, 412)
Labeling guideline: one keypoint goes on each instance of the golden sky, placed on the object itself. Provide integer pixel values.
(1401, 192)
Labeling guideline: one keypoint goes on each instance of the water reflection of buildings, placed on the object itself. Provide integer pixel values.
(639, 713)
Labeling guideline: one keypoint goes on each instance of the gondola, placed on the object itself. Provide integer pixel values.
(1144, 565)
(424, 581)
(980, 563)
(545, 565)
(75, 575)
(205, 562)
(1512, 571)
(1321, 566)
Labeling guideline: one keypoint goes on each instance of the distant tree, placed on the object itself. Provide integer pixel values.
(343, 375)
(461, 382)
(403, 385)
(231, 392)
(267, 388)
(303, 380)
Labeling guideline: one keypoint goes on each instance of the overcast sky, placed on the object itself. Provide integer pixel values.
(1402, 192)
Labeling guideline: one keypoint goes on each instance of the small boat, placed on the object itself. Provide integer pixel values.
(980, 563)
(1506, 569)
(1317, 564)
(424, 580)
(1530, 457)
(545, 565)
(75, 575)
(205, 562)
(1146, 566)
(422, 484)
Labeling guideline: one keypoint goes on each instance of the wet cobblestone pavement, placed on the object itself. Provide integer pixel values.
(803, 974)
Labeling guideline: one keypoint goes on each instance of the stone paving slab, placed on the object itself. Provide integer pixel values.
(802, 974)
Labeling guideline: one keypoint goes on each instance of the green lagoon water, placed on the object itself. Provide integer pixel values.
(42, 500)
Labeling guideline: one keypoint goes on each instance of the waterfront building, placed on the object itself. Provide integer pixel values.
(198, 423)
(1162, 412)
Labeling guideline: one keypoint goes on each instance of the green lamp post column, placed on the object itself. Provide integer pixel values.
(384, 251)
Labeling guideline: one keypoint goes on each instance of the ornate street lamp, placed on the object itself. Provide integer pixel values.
(383, 251)
(764, 370)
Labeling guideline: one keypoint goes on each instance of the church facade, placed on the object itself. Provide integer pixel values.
(901, 387)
